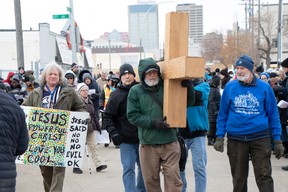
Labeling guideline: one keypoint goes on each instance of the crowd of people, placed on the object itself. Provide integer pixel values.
(132, 114)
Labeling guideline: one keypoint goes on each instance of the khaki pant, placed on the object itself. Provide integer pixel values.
(93, 148)
(53, 178)
(152, 157)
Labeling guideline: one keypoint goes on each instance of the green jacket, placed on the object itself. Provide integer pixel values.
(68, 100)
(142, 109)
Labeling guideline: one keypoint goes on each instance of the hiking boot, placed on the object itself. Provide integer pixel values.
(285, 168)
(101, 167)
(77, 171)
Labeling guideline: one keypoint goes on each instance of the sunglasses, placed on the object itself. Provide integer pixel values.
(69, 77)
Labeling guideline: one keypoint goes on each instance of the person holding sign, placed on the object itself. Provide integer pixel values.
(13, 139)
(83, 90)
(122, 132)
(53, 94)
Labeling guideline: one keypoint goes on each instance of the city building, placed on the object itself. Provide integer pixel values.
(143, 24)
(40, 47)
(269, 14)
(195, 20)
(110, 55)
(116, 36)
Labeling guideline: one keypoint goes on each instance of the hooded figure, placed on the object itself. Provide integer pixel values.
(8, 79)
(145, 111)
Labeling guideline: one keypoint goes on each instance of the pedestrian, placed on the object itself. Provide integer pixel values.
(75, 69)
(13, 139)
(53, 94)
(195, 133)
(93, 126)
(21, 74)
(248, 115)
(225, 77)
(108, 88)
(70, 79)
(17, 89)
(94, 93)
(102, 80)
(158, 141)
(213, 108)
(282, 95)
(28, 85)
(265, 77)
(8, 80)
(122, 132)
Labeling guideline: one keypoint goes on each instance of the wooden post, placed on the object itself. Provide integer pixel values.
(176, 67)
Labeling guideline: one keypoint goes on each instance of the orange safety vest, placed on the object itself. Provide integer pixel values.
(107, 90)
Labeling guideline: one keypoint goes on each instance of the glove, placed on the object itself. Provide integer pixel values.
(116, 138)
(219, 144)
(278, 149)
(160, 123)
(186, 83)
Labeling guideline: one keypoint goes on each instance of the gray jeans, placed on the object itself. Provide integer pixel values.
(260, 153)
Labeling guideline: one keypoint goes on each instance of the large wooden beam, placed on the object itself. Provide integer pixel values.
(176, 67)
(183, 68)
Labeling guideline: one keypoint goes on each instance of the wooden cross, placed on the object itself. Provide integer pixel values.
(176, 67)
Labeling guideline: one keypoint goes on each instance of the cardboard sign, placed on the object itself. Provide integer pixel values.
(57, 137)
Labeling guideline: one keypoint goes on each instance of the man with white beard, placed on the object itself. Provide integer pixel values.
(248, 115)
(158, 141)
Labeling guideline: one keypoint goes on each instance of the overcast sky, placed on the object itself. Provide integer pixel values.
(94, 17)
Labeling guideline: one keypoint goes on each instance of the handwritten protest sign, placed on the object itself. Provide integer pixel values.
(57, 137)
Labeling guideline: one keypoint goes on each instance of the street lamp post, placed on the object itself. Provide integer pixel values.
(144, 17)
(279, 41)
(109, 44)
(72, 32)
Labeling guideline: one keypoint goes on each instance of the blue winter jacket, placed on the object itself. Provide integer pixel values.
(13, 140)
(248, 112)
(197, 115)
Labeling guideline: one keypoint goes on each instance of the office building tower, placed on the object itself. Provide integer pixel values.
(143, 25)
(195, 20)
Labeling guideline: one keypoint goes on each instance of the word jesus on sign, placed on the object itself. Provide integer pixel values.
(57, 137)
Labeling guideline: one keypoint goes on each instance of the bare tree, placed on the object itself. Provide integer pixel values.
(268, 37)
(212, 46)
(234, 45)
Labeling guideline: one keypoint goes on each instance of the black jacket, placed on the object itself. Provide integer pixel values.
(13, 140)
(114, 117)
(214, 103)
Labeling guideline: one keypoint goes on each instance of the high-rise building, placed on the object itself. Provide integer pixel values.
(143, 24)
(195, 20)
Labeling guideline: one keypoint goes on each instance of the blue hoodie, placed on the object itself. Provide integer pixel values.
(248, 112)
(197, 115)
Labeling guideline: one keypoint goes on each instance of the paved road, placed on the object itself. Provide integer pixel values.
(110, 180)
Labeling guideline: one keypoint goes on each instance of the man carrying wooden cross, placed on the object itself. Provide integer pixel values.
(158, 142)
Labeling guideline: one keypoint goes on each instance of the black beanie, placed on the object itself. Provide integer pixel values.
(126, 68)
(285, 63)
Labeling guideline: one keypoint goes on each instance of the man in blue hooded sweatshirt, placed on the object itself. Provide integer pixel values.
(248, 114)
